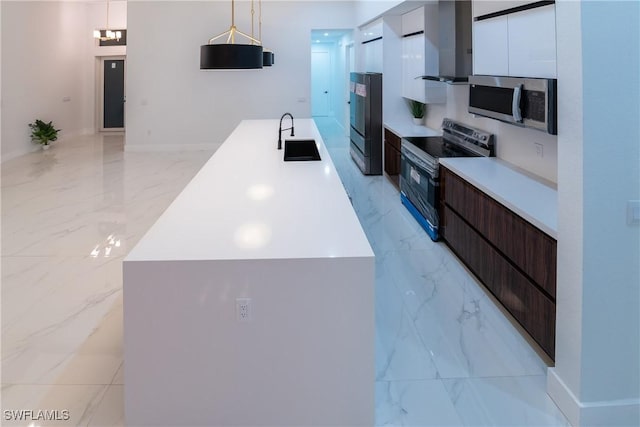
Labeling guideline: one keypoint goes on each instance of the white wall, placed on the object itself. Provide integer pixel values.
(513, 144)
(368, 10)
(596, 380)
(172, 104)
(44, 52)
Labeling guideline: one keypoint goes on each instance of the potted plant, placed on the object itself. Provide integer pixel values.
(417, 110)
(43, 133)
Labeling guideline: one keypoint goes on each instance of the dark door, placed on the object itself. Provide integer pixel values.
(113, 93)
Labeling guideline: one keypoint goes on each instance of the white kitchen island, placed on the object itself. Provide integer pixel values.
(282, 236)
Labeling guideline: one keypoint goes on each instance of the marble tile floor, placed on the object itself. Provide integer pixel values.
(69, 216)
(445, 355)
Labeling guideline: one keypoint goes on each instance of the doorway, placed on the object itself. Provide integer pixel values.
(320, 83)
(331, 61)
(111, 93)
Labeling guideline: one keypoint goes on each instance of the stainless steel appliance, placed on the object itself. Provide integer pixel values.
(419, 176)
(454, 59)
(525, 102)
(366, 121)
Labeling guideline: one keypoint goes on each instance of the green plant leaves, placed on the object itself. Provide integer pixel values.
(417, 108)
(42, 132)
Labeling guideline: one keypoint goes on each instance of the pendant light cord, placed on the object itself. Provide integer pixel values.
(260, 20)
(231, 32)
(252, 19)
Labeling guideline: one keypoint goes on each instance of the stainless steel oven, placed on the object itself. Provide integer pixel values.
(419, 168)
(419, 188)
(525, 102)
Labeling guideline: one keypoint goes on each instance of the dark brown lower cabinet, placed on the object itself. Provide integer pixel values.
(512, 258)
(392, 156)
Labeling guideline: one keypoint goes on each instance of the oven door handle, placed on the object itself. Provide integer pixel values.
(417, 163)
(515, 104)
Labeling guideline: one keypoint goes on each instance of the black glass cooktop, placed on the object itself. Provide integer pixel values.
(437, 147)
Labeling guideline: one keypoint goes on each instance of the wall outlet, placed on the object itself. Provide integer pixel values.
(539, 149)
(243, 309)
(66, 99)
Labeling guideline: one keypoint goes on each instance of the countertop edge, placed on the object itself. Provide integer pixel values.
(408, 129)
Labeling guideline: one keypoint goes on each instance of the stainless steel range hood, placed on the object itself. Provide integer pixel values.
(454, 50)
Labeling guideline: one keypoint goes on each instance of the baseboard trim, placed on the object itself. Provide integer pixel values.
(625, 412)
(32, 147)
(140, 148)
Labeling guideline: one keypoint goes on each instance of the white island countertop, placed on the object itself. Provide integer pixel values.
(247, 203)
(532, 199)
(260, 275)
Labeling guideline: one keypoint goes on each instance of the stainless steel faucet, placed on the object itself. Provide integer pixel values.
(280, 129)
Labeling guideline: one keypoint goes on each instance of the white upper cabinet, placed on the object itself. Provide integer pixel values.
(372, 31)
(413, 67)
(519, 44)
(371, 35)
(413, 64)
(420, 55)
(491, 47)
(485, 7)
(532, 43)
(413, 22)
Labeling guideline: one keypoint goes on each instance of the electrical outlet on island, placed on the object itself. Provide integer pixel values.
(539, 149)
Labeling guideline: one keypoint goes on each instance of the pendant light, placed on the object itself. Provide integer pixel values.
(107, 34)
(268, 57)
(231, 55)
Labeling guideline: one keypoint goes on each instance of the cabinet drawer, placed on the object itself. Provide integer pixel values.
(529, 306)
(529, 248)
(392, 139)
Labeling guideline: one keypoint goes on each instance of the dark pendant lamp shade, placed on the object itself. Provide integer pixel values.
(268, 58)
(231, 56)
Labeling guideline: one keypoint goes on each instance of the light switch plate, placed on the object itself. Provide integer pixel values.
(633, 212)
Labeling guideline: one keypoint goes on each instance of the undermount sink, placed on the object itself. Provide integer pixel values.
(297, 150)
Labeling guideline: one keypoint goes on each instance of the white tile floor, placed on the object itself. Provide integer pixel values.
(445, 354)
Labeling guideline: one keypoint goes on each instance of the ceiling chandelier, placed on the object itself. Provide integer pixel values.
(231, 55)
(107, 34)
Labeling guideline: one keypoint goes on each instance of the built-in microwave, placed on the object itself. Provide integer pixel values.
(526, 102)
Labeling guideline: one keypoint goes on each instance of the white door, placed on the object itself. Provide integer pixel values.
(320, 83)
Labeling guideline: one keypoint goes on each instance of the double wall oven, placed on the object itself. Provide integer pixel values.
(419, 175)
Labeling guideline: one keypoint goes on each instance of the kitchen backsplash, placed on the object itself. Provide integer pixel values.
(531, 150)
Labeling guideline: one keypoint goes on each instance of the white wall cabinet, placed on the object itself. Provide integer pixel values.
(521, 44)
(412, 67)
(532, 42)
(373, 57)
(420, 56)
(372, 31)
(491, 47)
(372, 49)
(484, 7)
(413, 22)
